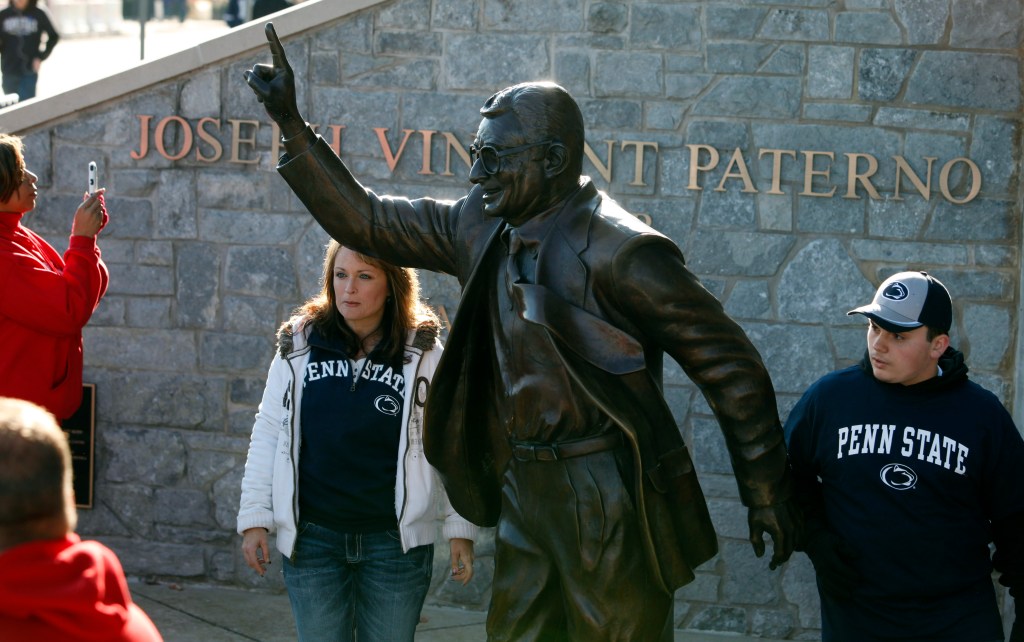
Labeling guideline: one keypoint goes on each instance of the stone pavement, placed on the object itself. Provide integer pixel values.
(187, 613)
(194, 613)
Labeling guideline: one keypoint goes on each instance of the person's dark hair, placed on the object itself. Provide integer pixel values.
(934, 332)
(545, 111)
(12, 165)
(35, 472)
(404, 309)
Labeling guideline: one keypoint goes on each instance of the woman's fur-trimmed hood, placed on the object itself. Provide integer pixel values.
(426, 333)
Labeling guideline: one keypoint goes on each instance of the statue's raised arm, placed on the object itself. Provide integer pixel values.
(274, 86)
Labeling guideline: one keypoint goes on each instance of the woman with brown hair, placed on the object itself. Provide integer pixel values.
(46, 297)
(336, 463)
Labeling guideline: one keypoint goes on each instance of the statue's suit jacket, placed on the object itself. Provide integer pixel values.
(613, 296)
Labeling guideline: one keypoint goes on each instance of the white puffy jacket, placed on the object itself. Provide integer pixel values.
(270, 496)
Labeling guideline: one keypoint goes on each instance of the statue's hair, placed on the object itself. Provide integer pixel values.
(545, 111)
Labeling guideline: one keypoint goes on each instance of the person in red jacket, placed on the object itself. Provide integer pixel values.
(53, 585)
(45, 299)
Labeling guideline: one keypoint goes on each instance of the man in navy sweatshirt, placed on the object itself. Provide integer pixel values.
(906, 471)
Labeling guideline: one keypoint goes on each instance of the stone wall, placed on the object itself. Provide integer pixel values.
(209, 252)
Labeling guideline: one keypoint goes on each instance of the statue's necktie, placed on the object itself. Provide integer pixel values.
(515, 245)
(513, 275)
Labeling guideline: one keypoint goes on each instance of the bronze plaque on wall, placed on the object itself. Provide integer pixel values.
(81, 430)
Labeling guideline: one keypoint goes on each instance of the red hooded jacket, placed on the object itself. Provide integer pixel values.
(68, 590)
(45, 301)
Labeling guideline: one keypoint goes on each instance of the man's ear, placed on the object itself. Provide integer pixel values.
(939, 345)
(556, 160)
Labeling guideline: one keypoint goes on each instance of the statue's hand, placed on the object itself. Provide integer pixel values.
(274, 86)
(782, 522)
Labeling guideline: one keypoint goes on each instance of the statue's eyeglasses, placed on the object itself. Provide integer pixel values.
(490, 157)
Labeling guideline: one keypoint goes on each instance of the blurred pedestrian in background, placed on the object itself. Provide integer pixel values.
(236, 13)
(176, 9)
(267, 7)
(22, 25)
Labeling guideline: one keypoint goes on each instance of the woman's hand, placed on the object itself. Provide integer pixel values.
(91, 216)
(462, 559)
(256, 550)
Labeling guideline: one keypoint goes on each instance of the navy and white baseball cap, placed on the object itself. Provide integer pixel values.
(909, 300)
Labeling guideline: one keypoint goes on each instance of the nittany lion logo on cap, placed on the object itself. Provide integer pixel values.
(896, 291)
(898, 476)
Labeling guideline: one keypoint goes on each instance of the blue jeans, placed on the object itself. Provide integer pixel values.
(24, 85)
(340, 583)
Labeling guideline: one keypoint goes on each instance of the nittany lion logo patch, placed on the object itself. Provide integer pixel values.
(895, 291)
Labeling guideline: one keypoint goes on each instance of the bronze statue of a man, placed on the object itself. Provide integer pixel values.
(546, 416)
